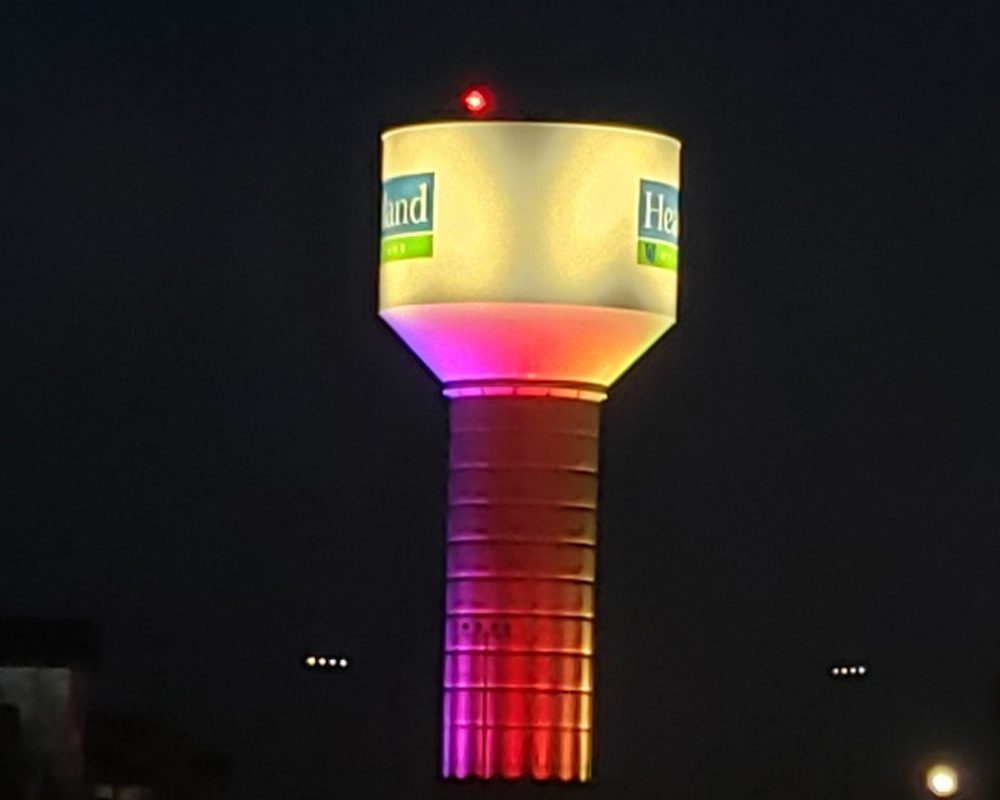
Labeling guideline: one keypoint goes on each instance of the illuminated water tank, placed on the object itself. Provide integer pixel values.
(528, 265)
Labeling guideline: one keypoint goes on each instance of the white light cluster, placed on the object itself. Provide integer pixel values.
(849, 671)
(315, 662)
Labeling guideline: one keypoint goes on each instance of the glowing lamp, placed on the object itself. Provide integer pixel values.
(942, 780)
(528, 265)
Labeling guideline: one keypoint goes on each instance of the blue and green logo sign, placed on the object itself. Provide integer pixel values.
(658, 224)
(408, 217)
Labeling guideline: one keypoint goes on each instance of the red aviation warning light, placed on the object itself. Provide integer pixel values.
(477, 100)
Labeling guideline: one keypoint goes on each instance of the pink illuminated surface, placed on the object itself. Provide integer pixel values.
(526, 341)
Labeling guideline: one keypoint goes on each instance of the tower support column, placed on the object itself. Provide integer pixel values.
(521, 548)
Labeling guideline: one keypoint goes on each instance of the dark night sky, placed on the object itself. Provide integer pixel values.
(212, 446)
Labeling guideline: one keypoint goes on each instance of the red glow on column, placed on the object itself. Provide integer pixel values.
(519, 631)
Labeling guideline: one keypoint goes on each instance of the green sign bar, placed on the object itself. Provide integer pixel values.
(397, 248)
(658, 254)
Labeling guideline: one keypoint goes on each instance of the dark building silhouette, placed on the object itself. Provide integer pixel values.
(44, 669)
(53, 748)
(137, 757)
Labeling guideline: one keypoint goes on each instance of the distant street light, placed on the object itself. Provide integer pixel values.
(314, 661)
(942, 780)
(849, 671)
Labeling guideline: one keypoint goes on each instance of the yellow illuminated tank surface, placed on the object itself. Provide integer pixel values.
(523, 240)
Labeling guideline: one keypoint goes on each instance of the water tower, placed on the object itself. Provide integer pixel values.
(528, 265)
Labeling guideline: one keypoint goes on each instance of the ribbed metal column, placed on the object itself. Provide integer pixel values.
(518, 672)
